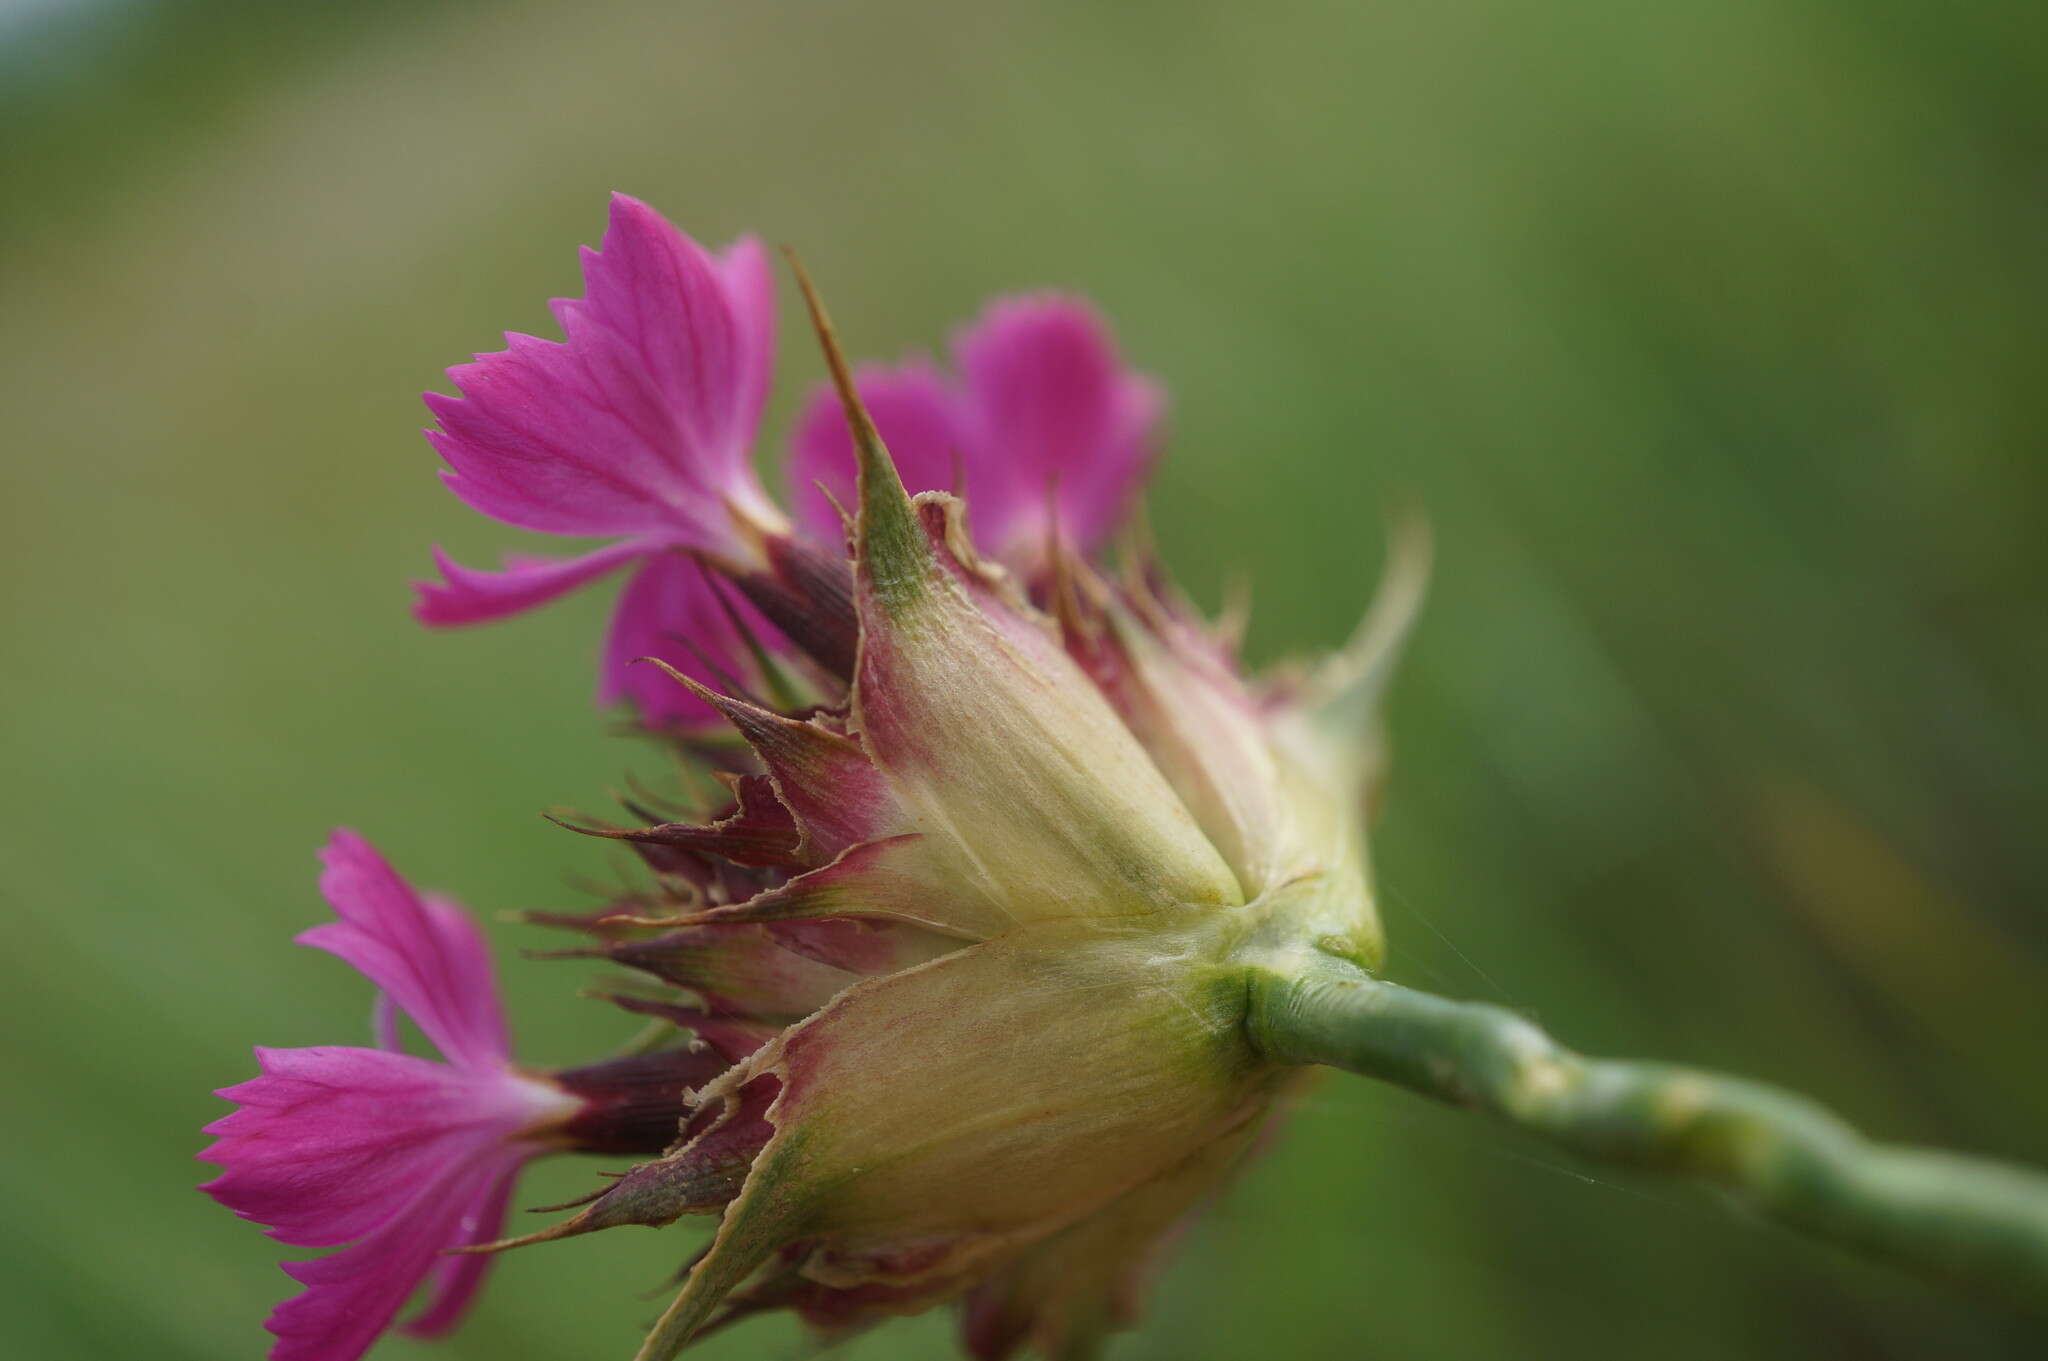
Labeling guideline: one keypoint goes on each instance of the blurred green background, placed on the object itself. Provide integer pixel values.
(1709, 332)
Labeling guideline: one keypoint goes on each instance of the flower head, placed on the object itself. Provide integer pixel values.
(963, 952)
(1038, 841)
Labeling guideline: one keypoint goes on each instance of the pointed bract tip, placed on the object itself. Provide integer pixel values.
(568, 1228)
(867, 442)
(886, 531)
(1347, 689)
(563, 819)
(1404, 583)
(695, 687)
(831, 499)
(638, 919)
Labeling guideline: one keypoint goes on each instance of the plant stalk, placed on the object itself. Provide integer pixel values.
(1970, 1221)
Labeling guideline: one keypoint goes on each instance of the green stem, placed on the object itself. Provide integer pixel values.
(1967, 1220)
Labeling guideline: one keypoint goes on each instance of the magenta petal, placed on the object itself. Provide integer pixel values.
(468, 595)
(406, 1156)
(750, 283)
(669, 300)
(565, 438)
(641, 420)
(1055, 418)
(919, 419)
(428, 956)
(384, 1018)
(674, 610)
(332, 1142)
(351, 1296)
(455, 1279)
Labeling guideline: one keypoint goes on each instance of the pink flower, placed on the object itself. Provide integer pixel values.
(400, 1156)
(1046, 429)
(638, 426)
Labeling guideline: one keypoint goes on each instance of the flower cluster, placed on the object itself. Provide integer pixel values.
(955, 975)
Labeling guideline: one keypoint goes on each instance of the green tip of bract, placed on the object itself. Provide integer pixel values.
(890, 545)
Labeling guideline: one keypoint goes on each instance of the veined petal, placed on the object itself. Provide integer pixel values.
(330, 1142)
(351, 1296)
(920, 420)
(697, 340)
(749, 278)
(674, 611)
(469, 595)
(427, 956)
(641, 420)
(454, 1280)
(1055, 422)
